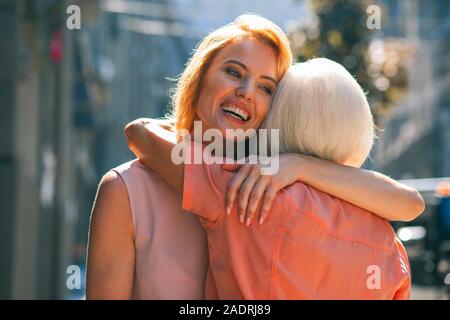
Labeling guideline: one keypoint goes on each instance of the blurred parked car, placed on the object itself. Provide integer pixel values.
(427, 238)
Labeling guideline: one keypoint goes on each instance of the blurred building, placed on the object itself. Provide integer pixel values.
(38, 167)
(415, 142)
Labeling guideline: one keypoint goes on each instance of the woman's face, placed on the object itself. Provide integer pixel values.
(237, 89)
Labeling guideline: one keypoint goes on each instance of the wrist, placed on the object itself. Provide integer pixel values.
(300, 165)
(305, 166)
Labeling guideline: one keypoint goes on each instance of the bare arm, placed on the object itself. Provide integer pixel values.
(153, 145)
(111, 251)
(369, 190)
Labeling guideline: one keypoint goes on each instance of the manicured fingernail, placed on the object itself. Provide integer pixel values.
(228, 211)
(261, 220)
(247, 222)
(241, 218)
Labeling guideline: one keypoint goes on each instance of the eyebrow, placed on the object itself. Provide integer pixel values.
(246, 68)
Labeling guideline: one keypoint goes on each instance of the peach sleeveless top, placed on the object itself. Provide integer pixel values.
(171, 248)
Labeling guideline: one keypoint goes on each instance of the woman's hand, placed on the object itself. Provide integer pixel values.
(254, 190)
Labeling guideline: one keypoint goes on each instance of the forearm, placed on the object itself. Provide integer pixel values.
(369, 190)
(153, 146)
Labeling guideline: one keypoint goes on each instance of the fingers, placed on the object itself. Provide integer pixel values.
(234, 186)
(269, 197)
(244, 193)
(256, 197)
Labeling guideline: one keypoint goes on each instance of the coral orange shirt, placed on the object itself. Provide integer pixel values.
(312, 245)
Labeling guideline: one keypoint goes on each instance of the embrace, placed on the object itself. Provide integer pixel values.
(317, 228)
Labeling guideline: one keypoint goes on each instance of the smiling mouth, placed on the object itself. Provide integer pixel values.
(235, 112)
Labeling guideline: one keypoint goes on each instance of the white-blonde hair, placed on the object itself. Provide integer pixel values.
(321, 110)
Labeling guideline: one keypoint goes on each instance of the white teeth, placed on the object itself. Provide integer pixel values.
(231, 108)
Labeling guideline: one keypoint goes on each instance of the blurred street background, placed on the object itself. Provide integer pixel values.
(67, 92)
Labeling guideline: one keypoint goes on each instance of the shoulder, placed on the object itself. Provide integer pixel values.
(339, 218)
(130, 167)
(301, 197)
(111, 186)
(110, 262)
(134, 173)
(111, 202)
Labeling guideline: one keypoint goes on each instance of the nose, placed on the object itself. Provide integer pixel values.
(245, 90)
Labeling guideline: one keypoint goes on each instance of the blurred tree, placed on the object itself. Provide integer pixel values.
(338, 31)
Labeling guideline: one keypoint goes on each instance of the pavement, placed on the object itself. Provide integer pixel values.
(427, 293)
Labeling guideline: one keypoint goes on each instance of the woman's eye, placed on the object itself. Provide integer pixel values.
(266, 90)
(234, 73)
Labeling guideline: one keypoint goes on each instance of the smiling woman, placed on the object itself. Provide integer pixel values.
(247, 33)
(238, 86)
(142, 245)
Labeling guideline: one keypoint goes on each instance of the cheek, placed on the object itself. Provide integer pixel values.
(212, 92)
(263, 109)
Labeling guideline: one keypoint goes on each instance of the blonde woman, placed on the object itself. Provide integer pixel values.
(312, 245)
